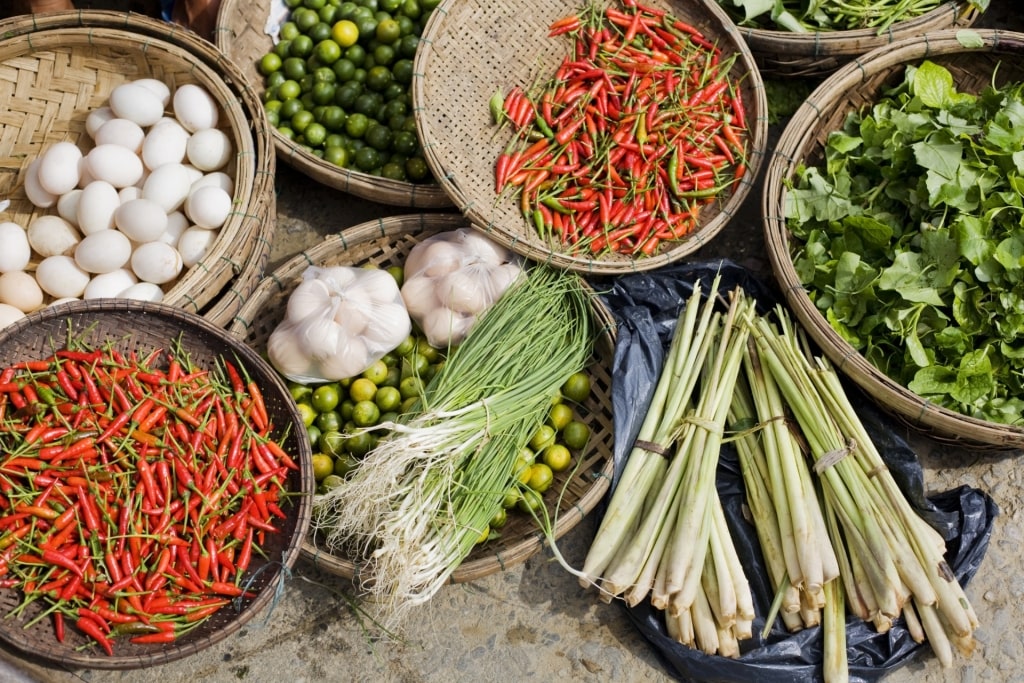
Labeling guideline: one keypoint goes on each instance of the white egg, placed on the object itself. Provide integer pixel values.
(218, 179)
(143, 291)
(195, 107)
(117, 165)
(322, 338)
(308, 298)
(177, 224)
(121, 132)
(194, 173)
(9, 314)
(103, 251)
(136, 103)
(59, 276)
(52, 235)
(168, 186)
(194, 244)
(67, 206)
(419, 296)
(142, 220)
(127, 194)
(209, 149)
(502, 278)
(96, 207)
(63, 300)
(464, 291)
(36, 193)
(353, 361)
(96, 118)
(165, 143)
(15, 250)
(157, 87)
(58, 167)
(156, 262)
(352, 316)
(20, 289)
(208, 207)
(443, 327)
(109, 285)
(391, 325)
(483, 247)
(376, 285)
(85, 176)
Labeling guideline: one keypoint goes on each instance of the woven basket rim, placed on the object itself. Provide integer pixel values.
(232, 19)
(331, 246)
(467, 187)
(149, 319)
(229, 257)
(790, 151)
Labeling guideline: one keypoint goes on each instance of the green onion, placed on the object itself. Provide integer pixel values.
(420, 500)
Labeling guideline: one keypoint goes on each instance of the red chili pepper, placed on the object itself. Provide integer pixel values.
(91, 629)
(159, 637)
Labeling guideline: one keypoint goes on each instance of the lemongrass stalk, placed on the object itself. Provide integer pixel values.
(718, 589)
(729, 641)
(660, 597)
(936, 634)
(682, 628)
(729, 567)
(689, 544)
(913, 623)
(704, 628)
(835, 665)
(644, 467)
(860, 597)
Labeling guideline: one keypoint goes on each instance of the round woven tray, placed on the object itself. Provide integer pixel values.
(104, 49)
(143, 327)
(999, 60)
(817, 54)
(387, 242)
(472, 48)
(240, 35)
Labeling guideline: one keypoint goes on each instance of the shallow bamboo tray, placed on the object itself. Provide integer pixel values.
(999, 60)
(386, 242)
(817, 54)
(471, 48)
(110, 48)
(240, 35)
(142, 327)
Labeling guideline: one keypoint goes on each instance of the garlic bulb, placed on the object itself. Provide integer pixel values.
(285, 354)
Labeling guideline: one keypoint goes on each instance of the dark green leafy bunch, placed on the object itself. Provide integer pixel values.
(909, 240)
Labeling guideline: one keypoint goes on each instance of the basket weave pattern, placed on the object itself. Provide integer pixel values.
(385, 243)
(58, 67)
(1000, 60)
(141, 327)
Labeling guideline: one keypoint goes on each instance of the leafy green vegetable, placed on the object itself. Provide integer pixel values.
(909, 238)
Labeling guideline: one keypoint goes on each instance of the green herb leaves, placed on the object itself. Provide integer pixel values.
(908, 237)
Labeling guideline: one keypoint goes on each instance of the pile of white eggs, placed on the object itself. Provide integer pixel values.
(143, 203)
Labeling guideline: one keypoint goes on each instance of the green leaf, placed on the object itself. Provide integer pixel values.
(1010, 253)
(973, 377)
(972, 39)
(908, 275)
(933, 84)
(933, 381)
(871, 231)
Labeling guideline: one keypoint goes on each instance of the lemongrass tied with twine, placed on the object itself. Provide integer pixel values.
(668, 538)
(421, 498)
(892, 562)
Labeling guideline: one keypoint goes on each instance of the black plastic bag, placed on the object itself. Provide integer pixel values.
(646, 307)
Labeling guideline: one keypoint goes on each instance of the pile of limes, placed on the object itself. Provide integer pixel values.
(337, 83)
(340, 416)
(551, 450)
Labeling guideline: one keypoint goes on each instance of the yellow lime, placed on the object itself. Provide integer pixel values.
(542, 438)
(541, 477)
(557, 457)
(560, 415)
(323, 465)
(362, 389)
(345, 33)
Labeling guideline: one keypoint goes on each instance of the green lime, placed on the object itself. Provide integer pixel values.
(313, 434)
(557, 457)
(530, 501)
(542, 438)
(307, 413)
(328, 421)
(559, 415)
(345, 463)
(367, 159)
(269, 63)
(357, 124)
(345, 33)
(540, 477)
(336, 155)
(377, 372)
(327, 51)
(299, 391)
(388, 399)
(577, 387)
(302, 47)
(289, 90)
(326, 397)
(323, 465)
(365, 413)
(575, 435)
(416, 168)
(362, 389)
(332, 443)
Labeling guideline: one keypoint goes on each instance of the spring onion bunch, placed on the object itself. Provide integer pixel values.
(419, 501)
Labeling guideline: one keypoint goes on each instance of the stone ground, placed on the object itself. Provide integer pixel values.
(533, 622)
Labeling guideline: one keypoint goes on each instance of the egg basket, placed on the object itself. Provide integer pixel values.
(384, 243)
(818, 53)
(997, 59)
(241, 35)
(140, 328)
(472, 49)
(57, 67)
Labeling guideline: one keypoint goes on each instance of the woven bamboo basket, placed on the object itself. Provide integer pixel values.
(472, 48)
(999, 60)
(817, 54)
(240, 35)
(142, 327)
(387, 242)
(104, 49)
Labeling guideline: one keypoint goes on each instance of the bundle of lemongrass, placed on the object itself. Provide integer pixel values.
(835, 531)
(419, 501)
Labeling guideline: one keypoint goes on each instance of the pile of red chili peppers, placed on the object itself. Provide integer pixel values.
(133, 498)
(639, 129)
